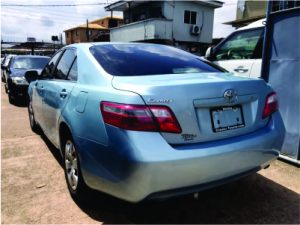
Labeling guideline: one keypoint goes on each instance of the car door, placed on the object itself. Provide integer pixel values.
(38, 89)
(239, 52)
(57, 92)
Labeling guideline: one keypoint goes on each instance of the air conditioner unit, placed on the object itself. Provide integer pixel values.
(195, 30)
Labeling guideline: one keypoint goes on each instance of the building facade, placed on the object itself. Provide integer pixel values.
(185, 24)
(249, 11)
(96, 30)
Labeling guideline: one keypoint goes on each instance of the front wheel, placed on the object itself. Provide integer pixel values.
(11, 98)
(75, 182)
(33, 125)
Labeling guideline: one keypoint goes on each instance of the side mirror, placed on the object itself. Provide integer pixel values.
(31, 75)
(208, 53)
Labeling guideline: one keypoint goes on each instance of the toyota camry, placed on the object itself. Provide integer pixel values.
(142, 121)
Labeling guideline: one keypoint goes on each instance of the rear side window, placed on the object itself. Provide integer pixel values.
(147, 59)
(241, 45)
(65, 64)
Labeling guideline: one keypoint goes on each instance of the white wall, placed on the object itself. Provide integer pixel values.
(173, 28)
(143, 30)
(181, 31)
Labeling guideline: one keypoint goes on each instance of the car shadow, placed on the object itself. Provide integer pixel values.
(251, 200)
(254, 199)
(19, 102)
(53, 150)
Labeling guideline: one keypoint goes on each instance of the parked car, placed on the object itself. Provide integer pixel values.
(241, 52)
(16, 84)
(143, 121)
(4, 65)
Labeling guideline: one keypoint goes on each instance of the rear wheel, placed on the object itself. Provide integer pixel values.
(74, 179)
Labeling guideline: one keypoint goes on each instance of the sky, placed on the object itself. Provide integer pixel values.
(20, 22)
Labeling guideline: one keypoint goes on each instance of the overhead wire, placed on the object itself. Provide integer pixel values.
(49, 13)
(53, 5)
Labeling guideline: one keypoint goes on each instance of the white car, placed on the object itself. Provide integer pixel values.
(241, 51)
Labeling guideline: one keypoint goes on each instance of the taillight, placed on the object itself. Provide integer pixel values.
(139, 117)
(166, 120)
(271, 105)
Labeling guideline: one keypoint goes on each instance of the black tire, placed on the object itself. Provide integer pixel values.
(33, 124)
(74, 179)
(6, 89)
(11, 98)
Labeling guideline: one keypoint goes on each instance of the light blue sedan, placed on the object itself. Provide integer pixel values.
(141, 121)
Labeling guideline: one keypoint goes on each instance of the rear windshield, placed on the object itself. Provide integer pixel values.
(147, 59)
(29, 63)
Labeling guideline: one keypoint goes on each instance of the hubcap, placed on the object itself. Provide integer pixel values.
(71, 165)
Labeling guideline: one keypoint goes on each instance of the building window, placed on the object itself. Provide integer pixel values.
(190, 17)
(90, 32)
(67, 34)
(76, 32)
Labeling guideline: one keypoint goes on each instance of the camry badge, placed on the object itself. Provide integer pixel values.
(152, 100)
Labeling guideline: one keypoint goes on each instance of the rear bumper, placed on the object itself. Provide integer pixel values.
(136, 165)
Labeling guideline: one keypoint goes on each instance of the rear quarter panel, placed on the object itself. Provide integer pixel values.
(82, 112)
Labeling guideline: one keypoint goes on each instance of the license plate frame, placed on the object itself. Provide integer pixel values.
(226, 118)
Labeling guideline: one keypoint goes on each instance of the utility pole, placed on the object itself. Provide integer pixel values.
(54, 39)
(32, 48)
(87, 31)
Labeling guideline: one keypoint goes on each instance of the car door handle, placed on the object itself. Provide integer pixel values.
(63, 93)
(240, 70)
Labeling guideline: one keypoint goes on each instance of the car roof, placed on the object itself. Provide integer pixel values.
(31, 56)
(256, 24)
(90, 44)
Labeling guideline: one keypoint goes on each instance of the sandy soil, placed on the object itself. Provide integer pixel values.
(33, 189)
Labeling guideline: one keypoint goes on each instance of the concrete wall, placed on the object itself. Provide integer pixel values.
(250, 8)
(176, 29)
(105, 22)
(75, 36)
(143, 30)
(181, 31)
(81, 35)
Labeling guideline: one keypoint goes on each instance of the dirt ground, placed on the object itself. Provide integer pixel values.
(33, 189)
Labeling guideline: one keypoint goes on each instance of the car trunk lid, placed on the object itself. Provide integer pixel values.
(200, 103)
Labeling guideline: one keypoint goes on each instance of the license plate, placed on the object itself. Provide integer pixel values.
(227, 118)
